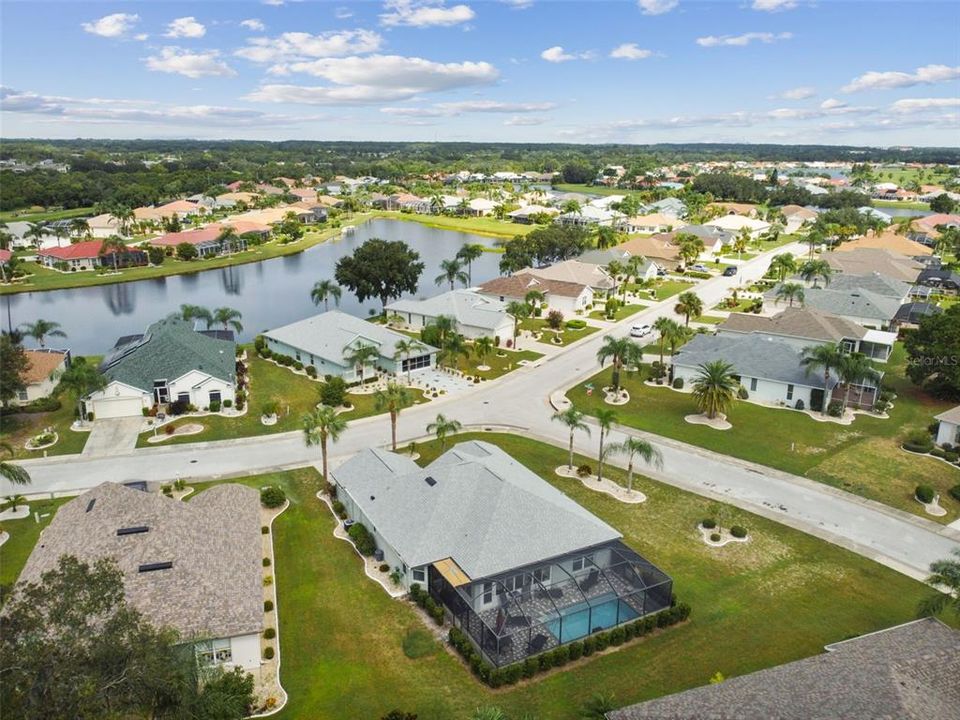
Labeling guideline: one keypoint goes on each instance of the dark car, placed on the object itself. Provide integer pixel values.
(729, 271)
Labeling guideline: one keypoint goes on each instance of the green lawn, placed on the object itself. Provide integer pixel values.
(741, 305)
(862, 458)
(624, 311)
(478, 226)
(901, 175)
(566, 335)
(43, 215)
(498, 365)
(16, 430)
(709, 319)
(590, 189)
(23, 536)
(669, 288)
(900, 204)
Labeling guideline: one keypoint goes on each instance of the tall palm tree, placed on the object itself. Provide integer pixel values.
(323, 290)
(79, 227)
(403, 349)
(451, 271)
(454, 347)
(81, 379)
(573, 419)
(814, 239)
(534, 299)
(690, 247)
(666, 327)
(634, 264)
(436, 204)
(124, 216)
(196, 312)
(815, 270)
(782, 265)
(445, 325)
(714, 388)
(35, 232)
(944, 574)
(636, 447)
(228, 318)
(443, 426)
(467, 254)
(227, 238)
(605, 419)
(741, 241)
(823, 357)
(689, 305)
(113, 245)
(482, 347)
(393, 400)
(42, 329)
(619, 351)
(519, 311)
(320, 426)
(790, 291)
(359, 356)
(13, 474)
(855, 369)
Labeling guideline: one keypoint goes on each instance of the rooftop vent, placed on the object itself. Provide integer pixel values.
(151, 567)
(91, 504)
(430, 481)
(133, 530)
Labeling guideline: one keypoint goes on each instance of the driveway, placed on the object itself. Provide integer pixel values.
(116, 436)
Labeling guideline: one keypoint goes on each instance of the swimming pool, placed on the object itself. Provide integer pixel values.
(580, 619)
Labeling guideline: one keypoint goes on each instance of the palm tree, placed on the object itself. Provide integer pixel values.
(359, 355)
(36, 231)
(945, 575)
(689, 305)
(519, 311)
(403, 349)
(814, 270)
(13, 474)
(321, 425)
(42, 329)
(790, 291)
(619, 350)
(714, 388)
(825, 357)
(605, 419)
(855, 369)
(570, 207)
(79, 227)
(782, 265)
(482, 347)
(196, 312)
(467, 254)
(534, 299)
(445, 324)
(82, 379)
(323, 290)
(393, 400)
(441, 427)
(124, 216)
(451, 272)
(606, 237)
(635, 447)
(453, 348)
(667, 327)
(741, 241)
(690, 247)
(12, 502)
(227, 238)
(573, 419)
(634, 265)
(228, 317)
(813, 239)
(436, 204)
(113, 245)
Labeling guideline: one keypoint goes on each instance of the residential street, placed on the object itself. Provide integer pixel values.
(521, 401)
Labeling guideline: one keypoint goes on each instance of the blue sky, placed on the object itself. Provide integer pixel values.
(783, 71)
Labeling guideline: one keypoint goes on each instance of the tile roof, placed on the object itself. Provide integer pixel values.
(868, 260)
(887, 240)
(796, 322)
(907, 672)
(798, 211)
(658, 247)
(517, 286)
(192, 237)
(42, 364)
(465, 306)
(76, 251)
(214, 588)
(574, 271)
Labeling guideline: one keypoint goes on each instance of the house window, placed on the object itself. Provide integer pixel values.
(183, 398)
(22, 394)
(753, 384)
(214, 396)
(419, 575)
(581, 562)
(542, 574)
(298, 354)
(847, 345)
(487, 593)
(416, 363)
(789, 392)
(214, 652)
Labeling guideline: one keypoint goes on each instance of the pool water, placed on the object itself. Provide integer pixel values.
(580, 619)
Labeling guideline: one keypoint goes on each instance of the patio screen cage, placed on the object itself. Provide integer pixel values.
(535, 608)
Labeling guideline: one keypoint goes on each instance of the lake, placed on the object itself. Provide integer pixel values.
(268, 293)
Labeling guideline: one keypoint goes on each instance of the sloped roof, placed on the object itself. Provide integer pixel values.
(909, 671)
(951, 416)
(465, 306)
(484, 509)
(852, 301)
(864, 261)
(874, 282)
(659, 246)
(737, 222)
(76, 251)
(42, 363)
(887, 240)
(574, 271)
(519, 285)
(796, 322)
(214, 588)
(798, 211)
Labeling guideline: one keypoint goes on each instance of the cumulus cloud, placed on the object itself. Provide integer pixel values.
(343, 13)
(524, 120)
(832, 104)
(292, 46)
(557, 54)
(518, 4)
(926, 75)
(424, 13)
(657, 7)
(253, 24)
(453, 109)
(630, 51)
(913, 105)
(798, 93)
(741, 40)
(185, 27)
(111, 26)
(190, 64)
(773, 5)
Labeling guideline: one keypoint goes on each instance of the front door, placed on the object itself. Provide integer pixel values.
(816, 399)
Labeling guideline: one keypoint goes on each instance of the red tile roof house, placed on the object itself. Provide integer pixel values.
(207, 240)
(87, 256)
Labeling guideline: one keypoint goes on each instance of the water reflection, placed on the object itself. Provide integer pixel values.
(120, 298)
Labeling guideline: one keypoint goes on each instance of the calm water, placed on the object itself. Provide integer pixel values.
(269, 293)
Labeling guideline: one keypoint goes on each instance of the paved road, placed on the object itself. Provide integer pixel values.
(520, 400)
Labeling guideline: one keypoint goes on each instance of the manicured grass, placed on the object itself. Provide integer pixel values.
(45, 215)
(709, 319)
(669, 288)
(778, 598)
(741, 305)
(793, 442)
(478, 226)
(498, 365)
(901, 175)
(23, 536)
(567, 335)
(590, 189)
(624, 311)
(16, 430)
(900, 204)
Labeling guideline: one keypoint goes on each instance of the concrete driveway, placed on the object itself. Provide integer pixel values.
(115, 436)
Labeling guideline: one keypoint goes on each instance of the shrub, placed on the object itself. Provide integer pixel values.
(938, 452)
(678, 383)
(742, 393)
(951, 457)
(333, 392)
(311, 372)
(267, 605)
(269, 633)
(272, 497)
(297, 365)
(384, 567)
(835, 408)
(264, 530)
(259, 342)
(555, 319)
(617, 636)
(576, 650)
(362, 539)
(715, 537)
(576, 324)
(214, 406)
(708, 523)
(268, 580)
(169, 429)
(657, 370)
(588, 646)
(339, 509)
(584, 470)
(228, 403)
(955, 492)
(268, 653)
(530, 667)
(799, 405)
(738, 531)
(266, 562)
(925, 493)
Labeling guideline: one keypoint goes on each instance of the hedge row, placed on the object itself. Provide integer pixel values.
(363, 540)
(429, 605)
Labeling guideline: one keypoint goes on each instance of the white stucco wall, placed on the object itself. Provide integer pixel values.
(767, 391)
(948, 432)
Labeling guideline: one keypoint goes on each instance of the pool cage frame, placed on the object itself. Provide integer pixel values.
(535, 608)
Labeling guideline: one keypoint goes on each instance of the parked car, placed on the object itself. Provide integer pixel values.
(700, 267)
(640, 330)
(729, 271)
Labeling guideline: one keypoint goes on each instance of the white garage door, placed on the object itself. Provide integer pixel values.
(117, 407)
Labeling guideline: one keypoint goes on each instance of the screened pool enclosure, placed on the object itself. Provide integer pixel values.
(535, 608)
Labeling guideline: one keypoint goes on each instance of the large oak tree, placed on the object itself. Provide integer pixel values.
(383, 269)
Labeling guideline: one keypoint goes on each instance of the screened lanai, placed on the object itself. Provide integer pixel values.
(538, 607)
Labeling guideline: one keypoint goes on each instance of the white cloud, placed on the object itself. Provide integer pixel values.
(111, 26)
(343, 13)
(557, 54)
(253, 24)
(525, 120)
(741, 40)
(453, 109)
(424, 13)
(630, 51)
(798, 93)
(275, 3)
(832, 104)
(926, 75)
(185, 27)
(773, 5)
(190, 64)
(657, 7)
(141, 36)
(518, 4)
(292, 46)
(913, 105)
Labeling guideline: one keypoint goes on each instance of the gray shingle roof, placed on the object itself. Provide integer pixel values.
(851, 302)
(952, 415)
(796, 322)
(169, 349)
(908, 672)
(214, 588)
(485, 510)
(465, 306)
(754, 355)
(874, 282)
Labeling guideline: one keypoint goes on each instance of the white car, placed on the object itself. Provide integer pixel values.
(700, 268)
(640, 330)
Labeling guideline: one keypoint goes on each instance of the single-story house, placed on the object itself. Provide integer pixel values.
(577, 272)
(733, 208)
(475, 315)
(527, 214)
(231, 199)
(406, 201)
(672, 207)
(324, 341)
(868, 260)
(589, 216)
(658, 248)
(41, 377)
(103, 226)
(170, 362)
(647, 271)
(519, 566)
(714, 238)
(874, 282)
(887, 240)
(907, 671)
(948, 431)
(195, 567)
(924, 229)
(206, 240)
(872, 212)
(652, 223)
(940, 277)
(479, 207)
(87, 255)
(854, 303)
(737, 223)
(567, 297)
(797, 216)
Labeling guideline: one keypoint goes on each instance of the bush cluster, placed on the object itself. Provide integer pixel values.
(339, 509)
(678, 383)
(584, 470)
(333, 392)
(576, 324)
(835, 408)
(268, 653)
(273, 497)
(708, 523)
(955, 492)
(743, 394)
(427, 603)
(925, 493)
(363, 540)
(738, 531)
